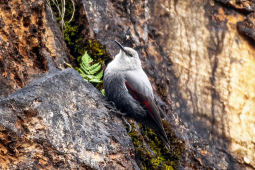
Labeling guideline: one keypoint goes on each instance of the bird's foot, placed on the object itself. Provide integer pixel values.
(112, 103)
(111, 106)
(130, 127)
(118, 112)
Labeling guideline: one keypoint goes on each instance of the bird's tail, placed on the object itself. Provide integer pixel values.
(163, 137)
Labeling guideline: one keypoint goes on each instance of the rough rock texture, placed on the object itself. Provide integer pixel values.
(60, 122)
(247, 26)
(200, 66)
(197, 60)
(243, 5)
(25, 28)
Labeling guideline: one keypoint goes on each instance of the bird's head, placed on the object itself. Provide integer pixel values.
(127, 59)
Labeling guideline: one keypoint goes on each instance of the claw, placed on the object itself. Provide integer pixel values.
(130, 127)
(111, 106)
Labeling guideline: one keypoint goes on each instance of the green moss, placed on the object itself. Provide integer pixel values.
(69, 32)
(164, 160)
(75, 35)
(95, 49)
(166, 167)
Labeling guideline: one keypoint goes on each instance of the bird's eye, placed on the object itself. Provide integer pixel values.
(129, 54)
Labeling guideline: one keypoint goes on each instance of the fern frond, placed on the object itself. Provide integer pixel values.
(103, 92)
(95, 81)
(95, 70)
(86, 60)
(84, 68)
(81, 72)
(94, 66)
(89, 71)
(99, 75)
(90, 77)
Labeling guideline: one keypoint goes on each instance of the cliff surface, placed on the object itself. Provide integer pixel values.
(199, 56)
(60, 122)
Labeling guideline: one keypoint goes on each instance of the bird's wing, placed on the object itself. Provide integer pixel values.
(139, 81)
(140, 89)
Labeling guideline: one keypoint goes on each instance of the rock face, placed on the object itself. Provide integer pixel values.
(247, 26)
(25, 28)
(245, 6)
(60, 122)
(200, 65)
(195, 53)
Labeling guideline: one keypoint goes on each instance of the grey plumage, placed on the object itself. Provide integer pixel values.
(129, 88)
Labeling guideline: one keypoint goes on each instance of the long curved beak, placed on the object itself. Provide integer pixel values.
(121, 47)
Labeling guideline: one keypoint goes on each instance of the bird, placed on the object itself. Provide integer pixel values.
(128, 87)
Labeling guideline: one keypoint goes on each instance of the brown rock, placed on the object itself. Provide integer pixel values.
(243, 5)
(247, 26)
(25, 28)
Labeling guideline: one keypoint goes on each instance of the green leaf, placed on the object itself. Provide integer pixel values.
(69, 65)
(80, 71)
(89, 70)
(84, 68)
(95, 81)
(95, 70)
(94, 66)
(103, 92)
(100, 74)
(91, 76)
(86, 60)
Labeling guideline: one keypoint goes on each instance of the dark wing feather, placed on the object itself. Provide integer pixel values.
(148, 103)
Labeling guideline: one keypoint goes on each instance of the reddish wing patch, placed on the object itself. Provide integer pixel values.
(150, 107)
(136, 95)
(147, 105)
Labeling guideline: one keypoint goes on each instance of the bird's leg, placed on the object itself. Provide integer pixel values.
(130, 127)
(112, 103)
(113, 109)
(111, 106)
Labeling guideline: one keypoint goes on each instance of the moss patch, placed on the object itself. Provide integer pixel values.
(76, 34)
(159, 158)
